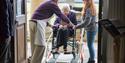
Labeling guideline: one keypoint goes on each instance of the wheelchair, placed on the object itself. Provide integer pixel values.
(71, 42)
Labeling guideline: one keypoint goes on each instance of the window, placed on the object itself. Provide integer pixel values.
(20, 7)
(78, 1)
(62, 1)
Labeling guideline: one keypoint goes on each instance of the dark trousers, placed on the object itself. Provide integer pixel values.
(62, 38)
(5, 51)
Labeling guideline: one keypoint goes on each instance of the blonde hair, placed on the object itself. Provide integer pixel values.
(89, 4)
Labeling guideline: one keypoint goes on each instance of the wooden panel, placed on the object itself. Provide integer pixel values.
(110, 50)
(115, 9)
(21, 50)
(20, 44)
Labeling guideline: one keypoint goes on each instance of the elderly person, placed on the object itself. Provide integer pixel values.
(63, 30)
(38, 23)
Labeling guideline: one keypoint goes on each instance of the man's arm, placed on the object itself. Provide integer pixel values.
(57, 22)
(58, 12)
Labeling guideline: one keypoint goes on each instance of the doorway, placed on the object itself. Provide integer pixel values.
(77, 5)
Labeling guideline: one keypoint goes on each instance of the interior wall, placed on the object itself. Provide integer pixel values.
(35, 4)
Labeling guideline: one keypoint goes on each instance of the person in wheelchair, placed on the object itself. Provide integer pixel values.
(63, 31)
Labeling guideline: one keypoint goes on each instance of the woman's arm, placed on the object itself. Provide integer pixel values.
(86, 21)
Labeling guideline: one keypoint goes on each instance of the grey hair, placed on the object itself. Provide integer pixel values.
(66, 6)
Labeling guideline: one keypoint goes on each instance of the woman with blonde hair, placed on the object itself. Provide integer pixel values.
(89, 23)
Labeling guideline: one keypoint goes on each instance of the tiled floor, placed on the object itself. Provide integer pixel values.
(85, 51)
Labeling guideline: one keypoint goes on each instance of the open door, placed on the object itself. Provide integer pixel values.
(20, 31)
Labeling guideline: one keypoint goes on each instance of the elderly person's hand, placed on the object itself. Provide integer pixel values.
(70, 25)
(65, 26)
(63, 23)
(60, 26)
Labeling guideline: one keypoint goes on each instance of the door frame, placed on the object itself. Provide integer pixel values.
(19, 21)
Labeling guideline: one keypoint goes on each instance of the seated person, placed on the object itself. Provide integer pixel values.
(63, 30)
